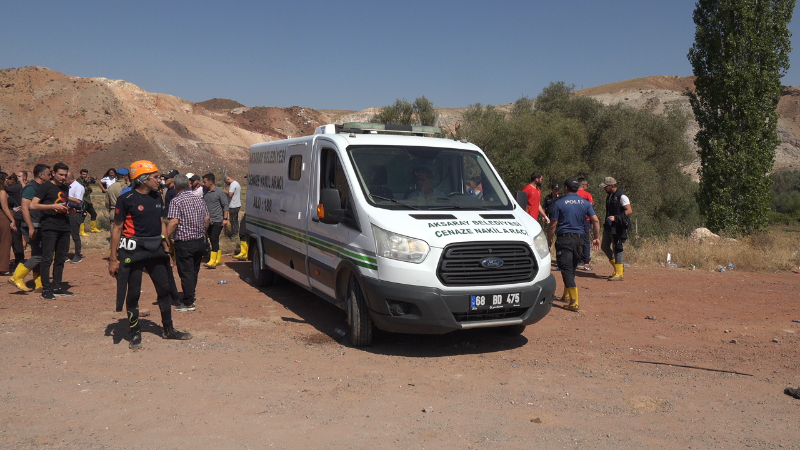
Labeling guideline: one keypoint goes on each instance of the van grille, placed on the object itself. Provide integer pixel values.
(460, 264)
(477, 316)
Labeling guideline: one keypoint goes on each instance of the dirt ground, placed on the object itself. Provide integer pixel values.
(267, 369)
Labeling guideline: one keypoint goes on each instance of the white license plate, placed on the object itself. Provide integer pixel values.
(493, 301)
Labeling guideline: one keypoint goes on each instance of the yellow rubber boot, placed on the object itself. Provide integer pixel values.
(243, 250)
(94, 229)
(212, 261)
(37, 281)
(18, 278)
(618, 269)
(83, 230)
(219, 257)
(573, 299)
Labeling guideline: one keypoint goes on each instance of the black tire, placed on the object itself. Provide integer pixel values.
(512, 330)
(262, 277)
(358, 318)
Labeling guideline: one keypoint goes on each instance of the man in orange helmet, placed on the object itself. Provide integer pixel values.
(139, 231)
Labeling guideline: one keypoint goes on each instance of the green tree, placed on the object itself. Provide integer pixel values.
(740, 53)
(421, 112)
(424, 112)
(562, 135)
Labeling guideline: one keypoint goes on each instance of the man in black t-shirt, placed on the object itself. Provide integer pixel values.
(52, 198)
(139, 244)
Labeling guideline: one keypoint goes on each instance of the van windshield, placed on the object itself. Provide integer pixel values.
(427, 178)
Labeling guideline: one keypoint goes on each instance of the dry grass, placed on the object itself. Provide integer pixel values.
(776, 250)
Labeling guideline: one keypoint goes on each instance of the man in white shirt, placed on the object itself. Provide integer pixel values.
(76, 192)
(234, 192)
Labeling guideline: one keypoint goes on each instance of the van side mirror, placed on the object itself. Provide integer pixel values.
(330, 209)
(522, 199)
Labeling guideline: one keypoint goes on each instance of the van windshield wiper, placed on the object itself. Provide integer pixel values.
(392, 200)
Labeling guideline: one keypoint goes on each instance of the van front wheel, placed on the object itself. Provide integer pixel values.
(358, 316)
(261, 276)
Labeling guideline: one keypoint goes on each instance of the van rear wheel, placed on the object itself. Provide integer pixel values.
(262, 276)
(358, 318)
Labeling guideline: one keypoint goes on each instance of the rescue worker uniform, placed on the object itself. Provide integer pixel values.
(141, 247)
(569, 214)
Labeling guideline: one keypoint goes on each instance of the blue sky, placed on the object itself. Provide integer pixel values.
(355, 55)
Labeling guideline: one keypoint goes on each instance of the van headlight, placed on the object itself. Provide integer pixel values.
(540, 244)
(399, 247)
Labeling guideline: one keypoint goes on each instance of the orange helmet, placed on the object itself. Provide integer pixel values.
(142, 167)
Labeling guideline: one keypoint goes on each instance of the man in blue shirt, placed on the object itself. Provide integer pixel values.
(569, 214)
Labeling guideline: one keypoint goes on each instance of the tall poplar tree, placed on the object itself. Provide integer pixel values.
(740, 53)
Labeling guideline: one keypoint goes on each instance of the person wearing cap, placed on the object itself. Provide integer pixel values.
(587, 224)
(534, 192)
(615, 227)
(550, 199)
(139, 230)
(569, 213)
(115, 190)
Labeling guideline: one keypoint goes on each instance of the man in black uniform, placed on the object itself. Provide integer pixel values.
(52, 198)
(615, 227)
(139, 230)
(550, 199)
(569, 213)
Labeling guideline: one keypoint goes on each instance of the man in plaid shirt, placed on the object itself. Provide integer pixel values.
(188, 221)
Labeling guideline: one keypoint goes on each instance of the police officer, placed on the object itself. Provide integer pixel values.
(615, 227)
(139, 231)
(569, 213)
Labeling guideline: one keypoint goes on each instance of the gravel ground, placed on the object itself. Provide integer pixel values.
(267, 369)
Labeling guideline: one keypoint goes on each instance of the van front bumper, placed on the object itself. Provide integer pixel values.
(401, 308)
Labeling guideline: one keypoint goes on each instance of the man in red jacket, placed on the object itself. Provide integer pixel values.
(587, 247)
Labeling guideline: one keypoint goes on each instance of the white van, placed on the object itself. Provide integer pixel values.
(408, 233)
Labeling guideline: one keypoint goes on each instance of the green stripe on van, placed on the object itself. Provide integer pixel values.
(359, 259)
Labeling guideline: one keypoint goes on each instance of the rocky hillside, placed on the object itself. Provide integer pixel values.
(97, 123)
(658, 93)
(47, 116)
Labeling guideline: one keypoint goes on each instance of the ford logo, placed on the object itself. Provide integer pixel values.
(492, 263)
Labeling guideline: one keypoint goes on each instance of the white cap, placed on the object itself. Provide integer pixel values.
(189, 175)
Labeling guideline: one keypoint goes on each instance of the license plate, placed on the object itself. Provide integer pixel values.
(493, 301)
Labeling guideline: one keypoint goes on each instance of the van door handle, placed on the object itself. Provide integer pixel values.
(283, 210)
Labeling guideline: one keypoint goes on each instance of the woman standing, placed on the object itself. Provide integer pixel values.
(6, 227)
(109, 179)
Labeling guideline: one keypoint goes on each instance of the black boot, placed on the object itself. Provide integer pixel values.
(136, 341)
(792, 392)
(172, 333)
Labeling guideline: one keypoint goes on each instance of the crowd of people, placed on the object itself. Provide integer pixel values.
(568, 215)
(159, 221)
